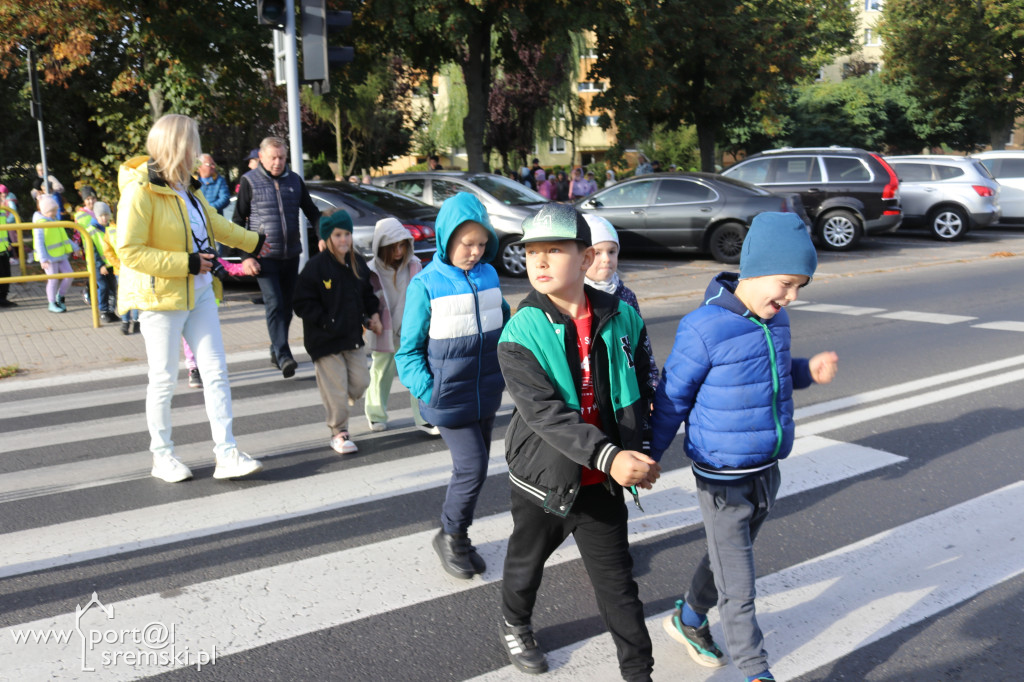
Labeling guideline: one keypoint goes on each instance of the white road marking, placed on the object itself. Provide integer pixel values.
(841, 309)
(1006, 326)
(932, 318)
(301, 597)
(827, 607)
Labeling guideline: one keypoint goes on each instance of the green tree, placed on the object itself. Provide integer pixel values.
(480, 37)
(711, 63)
(959, 56)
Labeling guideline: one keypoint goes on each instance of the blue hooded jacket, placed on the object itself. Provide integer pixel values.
(731, 378)
(448, 357)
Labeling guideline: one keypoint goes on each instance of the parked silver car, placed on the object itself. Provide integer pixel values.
(507, 202)
(1007, 167)
(949, 195)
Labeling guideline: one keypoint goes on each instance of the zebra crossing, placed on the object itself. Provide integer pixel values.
(321, 566)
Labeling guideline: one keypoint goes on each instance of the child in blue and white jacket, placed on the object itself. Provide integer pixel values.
(448, 359)
(731, 378)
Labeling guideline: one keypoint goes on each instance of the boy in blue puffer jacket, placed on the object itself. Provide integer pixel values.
(448, 359)
(731, 378)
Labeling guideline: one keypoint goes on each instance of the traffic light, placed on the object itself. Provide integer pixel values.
(317, 56)
(271, 12)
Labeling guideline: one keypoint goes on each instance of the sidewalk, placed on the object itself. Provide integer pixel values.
(42, 343)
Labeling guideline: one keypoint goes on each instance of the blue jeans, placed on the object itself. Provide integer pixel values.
(106, 291)
(470, 446)
(277, 283)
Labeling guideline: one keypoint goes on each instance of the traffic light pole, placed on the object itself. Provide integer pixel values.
(37, 114)
(291, 65)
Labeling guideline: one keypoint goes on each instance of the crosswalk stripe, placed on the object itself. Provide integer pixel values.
(825, 608)
(932, 318)
(841, 309)
(302, 596)
(1006, 326)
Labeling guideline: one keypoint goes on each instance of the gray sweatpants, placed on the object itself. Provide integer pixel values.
(733, 515)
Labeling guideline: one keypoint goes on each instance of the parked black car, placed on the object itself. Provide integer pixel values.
(366, 205)
(847, 192)
(684, 212)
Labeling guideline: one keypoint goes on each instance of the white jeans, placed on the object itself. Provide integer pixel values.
(162, 331)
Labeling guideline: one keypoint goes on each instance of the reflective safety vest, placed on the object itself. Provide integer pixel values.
(5, 242)
(97, 242)
(57, 243)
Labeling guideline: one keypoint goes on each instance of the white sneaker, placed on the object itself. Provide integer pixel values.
(169, 468)
(427, 427)
(235, 465)
(378, 426)
(342, 445)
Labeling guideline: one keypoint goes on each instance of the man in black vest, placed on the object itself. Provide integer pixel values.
(269, 199)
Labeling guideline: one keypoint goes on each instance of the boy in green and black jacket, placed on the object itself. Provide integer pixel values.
(574, 363)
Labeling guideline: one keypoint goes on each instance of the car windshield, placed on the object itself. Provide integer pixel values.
(508, 192)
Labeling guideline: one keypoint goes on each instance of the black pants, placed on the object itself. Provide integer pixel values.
(5, 271)
(598, 522)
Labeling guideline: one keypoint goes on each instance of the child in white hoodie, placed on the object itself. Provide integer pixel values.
(391, 269)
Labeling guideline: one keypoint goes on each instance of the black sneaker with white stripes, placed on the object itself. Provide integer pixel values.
(522, 648)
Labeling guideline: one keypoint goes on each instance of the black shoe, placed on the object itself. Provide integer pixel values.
(273, 358)
(454, 554)
(288, 367)
(522, 649)
(477, 561)
(126, 328)
(109, 316)
(4, 303)
(135, 327)
(258, 300)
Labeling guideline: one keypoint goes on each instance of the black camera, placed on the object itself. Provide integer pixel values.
(216, 269)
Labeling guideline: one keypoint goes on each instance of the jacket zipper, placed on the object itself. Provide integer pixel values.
(185, 223)
(480, 345)
(775, 385)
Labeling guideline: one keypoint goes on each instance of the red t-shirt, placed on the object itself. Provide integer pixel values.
(588, 408)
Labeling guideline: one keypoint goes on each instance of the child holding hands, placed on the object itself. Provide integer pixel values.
(575, 364)
(730, 377)
(334, 299)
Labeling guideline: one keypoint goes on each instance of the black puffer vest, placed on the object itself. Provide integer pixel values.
(274, 211)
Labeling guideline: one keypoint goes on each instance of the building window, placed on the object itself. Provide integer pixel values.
(873, 5)
(557, 145)
(592, 120)
(589, 86)
(589, 53)
(871, 37)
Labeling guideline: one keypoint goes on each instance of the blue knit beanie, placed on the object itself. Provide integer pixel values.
(777, 244)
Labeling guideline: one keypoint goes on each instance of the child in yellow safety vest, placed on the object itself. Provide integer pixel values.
(106, 283)
(52, 249)
(130, 318)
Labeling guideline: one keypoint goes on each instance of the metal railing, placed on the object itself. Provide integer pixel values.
(90, 257)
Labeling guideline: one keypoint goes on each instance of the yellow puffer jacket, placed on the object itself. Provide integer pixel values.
(154, 240)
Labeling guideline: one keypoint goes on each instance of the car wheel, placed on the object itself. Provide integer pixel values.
(948, 224)
(726, 242)
(512, 256)
(839, 230)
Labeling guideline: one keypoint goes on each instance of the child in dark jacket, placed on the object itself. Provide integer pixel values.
(575, 363)
(731, 378)
(454, 313)
(334, 299)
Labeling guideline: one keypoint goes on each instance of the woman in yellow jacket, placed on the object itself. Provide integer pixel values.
(167, 235)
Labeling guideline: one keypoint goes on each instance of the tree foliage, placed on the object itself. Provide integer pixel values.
(959, 56)
(711, 63)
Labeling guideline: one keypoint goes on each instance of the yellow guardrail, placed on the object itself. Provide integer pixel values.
(90, 258)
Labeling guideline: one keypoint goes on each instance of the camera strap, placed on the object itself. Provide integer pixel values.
(205, 242)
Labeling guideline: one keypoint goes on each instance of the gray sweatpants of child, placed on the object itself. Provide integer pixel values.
(733, 515)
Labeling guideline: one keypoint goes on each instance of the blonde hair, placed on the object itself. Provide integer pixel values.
(173, 146)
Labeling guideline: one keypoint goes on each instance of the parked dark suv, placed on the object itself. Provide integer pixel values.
(847, 192)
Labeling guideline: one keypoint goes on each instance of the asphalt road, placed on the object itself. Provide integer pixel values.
(893, 554)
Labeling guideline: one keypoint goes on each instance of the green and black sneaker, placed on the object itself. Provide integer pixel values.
(698, 641)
